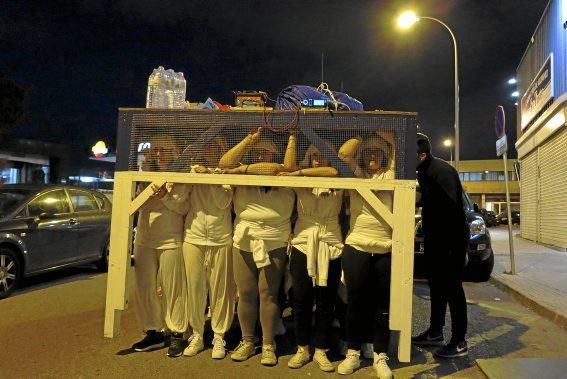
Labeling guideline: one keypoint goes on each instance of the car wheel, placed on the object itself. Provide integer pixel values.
(482, 271)
(102, 264)
(11, 271)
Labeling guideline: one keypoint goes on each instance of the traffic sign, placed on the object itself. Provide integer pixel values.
(501, 146)
(500, 122)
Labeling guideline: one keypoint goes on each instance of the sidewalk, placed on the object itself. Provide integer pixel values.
(541, 274)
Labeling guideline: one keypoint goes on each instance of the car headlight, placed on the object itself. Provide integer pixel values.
(478, 227)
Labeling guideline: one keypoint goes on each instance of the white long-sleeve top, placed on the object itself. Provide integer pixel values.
(367, 233)
(262, 220)
(317, 232)
(209, 219)
(160, 221)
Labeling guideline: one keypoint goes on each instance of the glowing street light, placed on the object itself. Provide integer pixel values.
(515, 94)
(512, 81)
(405, 21)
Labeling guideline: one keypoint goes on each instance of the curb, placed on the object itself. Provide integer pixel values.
(546, 312)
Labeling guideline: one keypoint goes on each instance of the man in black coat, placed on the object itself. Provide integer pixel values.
(446, 236)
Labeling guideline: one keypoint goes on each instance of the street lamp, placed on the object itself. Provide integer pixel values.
(405, 21)
(448, 143)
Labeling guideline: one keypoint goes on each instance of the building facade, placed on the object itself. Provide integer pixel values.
(32, 161)
(541, 129)
(484, 182)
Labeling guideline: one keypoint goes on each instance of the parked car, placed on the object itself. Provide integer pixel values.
(45, 228)
(489, 217)
(480, 257)
(502, 217)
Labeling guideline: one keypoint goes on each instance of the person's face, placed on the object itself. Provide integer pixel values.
(374, 159)
(318, 159)
(261, 155)
(164, 157)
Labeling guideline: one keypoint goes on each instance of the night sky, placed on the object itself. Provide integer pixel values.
(81, 60)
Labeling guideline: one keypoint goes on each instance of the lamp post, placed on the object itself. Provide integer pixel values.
(448, 143)
(405, 21)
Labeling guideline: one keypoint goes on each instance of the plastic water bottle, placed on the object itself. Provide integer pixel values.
(155, 83)
(152, 86)
(180, 90)
(169, 84)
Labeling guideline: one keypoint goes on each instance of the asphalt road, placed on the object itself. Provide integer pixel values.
(52, 328)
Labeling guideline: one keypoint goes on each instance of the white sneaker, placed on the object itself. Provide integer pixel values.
(219, 350)
(243, 351)
(300, 359)
(196, 345)
(351, 362)
(381, 366)
(367, 350)
(320, 357)
(269, 357)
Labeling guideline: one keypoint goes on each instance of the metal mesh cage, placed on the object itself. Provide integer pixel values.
(180, 140)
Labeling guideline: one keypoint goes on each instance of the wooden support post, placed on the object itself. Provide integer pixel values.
(401, 293)
(119, 261)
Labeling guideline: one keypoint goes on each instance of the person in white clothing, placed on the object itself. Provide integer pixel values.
(159, 259)
(314, 262)
(207, 252)
(366, 257)
(261, 233)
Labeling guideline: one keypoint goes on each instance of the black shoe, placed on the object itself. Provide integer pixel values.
(426, 339)
(176, 345)
(152, 340)
(453, 350)
(167, 338)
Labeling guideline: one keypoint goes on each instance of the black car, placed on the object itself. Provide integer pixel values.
(479, 253)
(44, 228)
(489, 217)
(502, 217)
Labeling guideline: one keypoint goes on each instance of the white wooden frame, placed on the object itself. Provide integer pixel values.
(125, 204)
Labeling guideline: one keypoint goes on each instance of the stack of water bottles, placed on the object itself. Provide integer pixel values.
(166, 89)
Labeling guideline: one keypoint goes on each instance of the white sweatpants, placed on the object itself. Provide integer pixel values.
(209, 271)
(156, 268)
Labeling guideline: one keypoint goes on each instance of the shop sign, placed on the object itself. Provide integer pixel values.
(143, 146)
(538, 93)
(99, 149)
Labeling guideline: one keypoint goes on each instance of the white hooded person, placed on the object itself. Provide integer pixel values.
(315, 263)
(261, 233)
(366, 258)
(158, 256)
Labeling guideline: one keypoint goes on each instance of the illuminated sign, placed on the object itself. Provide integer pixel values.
(143, 146)
(99, 149)
(538, 93)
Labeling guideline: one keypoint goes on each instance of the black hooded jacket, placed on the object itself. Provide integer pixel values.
(445, 227)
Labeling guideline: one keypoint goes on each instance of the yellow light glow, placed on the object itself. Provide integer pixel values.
(448, 143)
(407, 19)
(99, 149)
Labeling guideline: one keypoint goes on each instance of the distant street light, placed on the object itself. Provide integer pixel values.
(512, 81)
(405, 21)
(515, 94)
(448, 143)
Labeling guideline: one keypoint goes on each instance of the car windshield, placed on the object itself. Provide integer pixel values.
(11, 198)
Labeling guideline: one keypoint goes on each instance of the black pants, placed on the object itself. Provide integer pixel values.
(367, 279)
(304, 293)
(446, 287)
